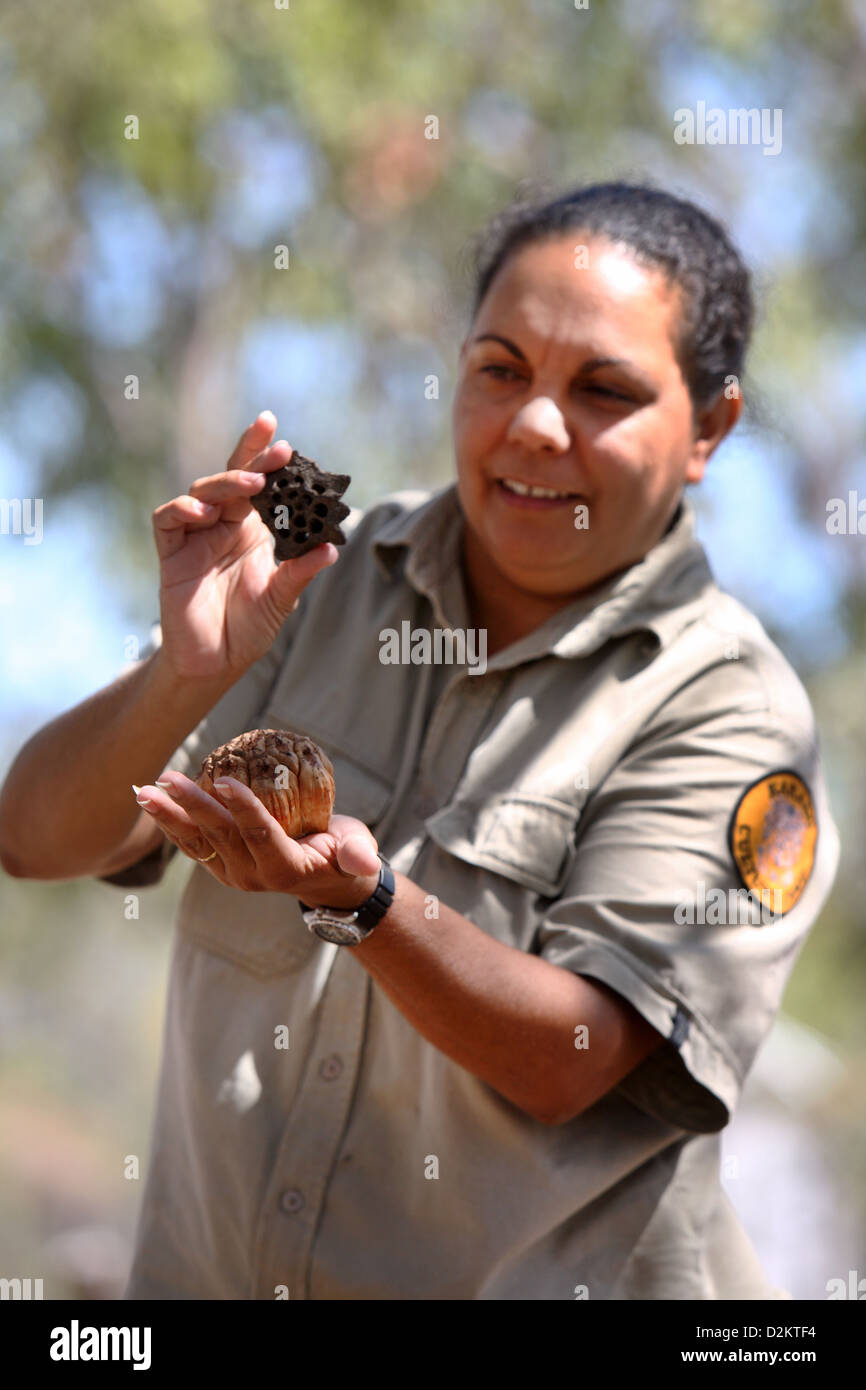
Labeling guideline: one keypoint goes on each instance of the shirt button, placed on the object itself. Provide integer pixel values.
(291, 1200)
(331, 1067)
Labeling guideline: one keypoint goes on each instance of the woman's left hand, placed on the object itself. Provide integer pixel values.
(337, 867)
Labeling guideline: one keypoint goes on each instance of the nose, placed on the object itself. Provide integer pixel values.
(539, 424)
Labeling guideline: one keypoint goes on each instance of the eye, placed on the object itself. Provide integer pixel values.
(607, 391)
(501, 372)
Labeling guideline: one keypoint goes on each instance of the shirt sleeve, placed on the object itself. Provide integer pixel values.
(237, 711)
(656, 906)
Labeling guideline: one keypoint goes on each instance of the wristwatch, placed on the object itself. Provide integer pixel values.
(349, 927)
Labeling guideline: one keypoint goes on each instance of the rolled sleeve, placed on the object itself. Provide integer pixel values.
(653, 845)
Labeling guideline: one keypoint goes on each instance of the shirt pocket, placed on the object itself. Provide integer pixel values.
(264, 934)
(526, 838)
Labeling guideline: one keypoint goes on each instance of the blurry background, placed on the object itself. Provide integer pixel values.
(154, 157)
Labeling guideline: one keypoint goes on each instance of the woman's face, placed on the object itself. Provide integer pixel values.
(568, 380)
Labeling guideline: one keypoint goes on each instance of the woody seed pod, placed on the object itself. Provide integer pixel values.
(291, 776)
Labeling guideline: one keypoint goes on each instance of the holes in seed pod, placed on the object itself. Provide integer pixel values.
(320, 509)
(300, 536)
(318, 487)
(282, 482)
(293, 492)
(315, 525)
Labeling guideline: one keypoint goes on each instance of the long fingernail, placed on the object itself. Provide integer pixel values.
(167, 785)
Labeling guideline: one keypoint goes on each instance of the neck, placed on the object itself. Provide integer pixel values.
(507, 612)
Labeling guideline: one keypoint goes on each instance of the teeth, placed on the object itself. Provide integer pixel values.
(523, 491)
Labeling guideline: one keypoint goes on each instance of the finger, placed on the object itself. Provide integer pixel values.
(189, 839)
(174, 519)
(219, 487)
(275, 456)
(254, 438)
(227, 487)
(194, 818)
(274, 853)
(228, 493)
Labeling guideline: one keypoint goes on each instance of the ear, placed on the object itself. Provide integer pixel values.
(711, 425)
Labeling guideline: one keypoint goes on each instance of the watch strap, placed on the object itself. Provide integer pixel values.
(373, 908)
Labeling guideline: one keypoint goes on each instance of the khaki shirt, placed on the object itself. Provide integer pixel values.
(587, 797)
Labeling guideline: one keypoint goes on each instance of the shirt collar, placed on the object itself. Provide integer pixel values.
(659, 595)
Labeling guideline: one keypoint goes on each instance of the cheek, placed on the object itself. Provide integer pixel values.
(642, 452)
(460, 416)
(623, 456)
(475, 424)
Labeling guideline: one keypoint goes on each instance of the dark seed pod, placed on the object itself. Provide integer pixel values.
(300, 505)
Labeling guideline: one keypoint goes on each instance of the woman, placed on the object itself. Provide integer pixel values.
(608, 839)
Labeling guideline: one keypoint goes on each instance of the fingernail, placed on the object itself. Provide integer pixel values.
(135, 788)
(167, 785)
(143, 800)
(224, 788)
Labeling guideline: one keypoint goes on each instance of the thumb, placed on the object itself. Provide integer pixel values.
(357, 851)
(291, 577)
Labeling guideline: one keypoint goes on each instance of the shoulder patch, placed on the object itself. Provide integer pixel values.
(772, 838)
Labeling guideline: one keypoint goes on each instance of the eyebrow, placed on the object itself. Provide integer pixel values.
(497, 338)
(593, 365)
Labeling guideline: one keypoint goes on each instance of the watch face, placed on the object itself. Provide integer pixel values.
(338, 933)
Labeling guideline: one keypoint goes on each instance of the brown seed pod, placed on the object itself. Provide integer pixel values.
(300, 505)
(289, 773)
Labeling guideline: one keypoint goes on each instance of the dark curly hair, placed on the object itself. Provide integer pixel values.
(672, 234)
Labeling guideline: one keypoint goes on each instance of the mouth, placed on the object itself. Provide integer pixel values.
(533, 496)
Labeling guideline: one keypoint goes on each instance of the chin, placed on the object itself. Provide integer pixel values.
(555, 577)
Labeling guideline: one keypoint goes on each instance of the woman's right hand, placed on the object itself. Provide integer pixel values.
(222, 598)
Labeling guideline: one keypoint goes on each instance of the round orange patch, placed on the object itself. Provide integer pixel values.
(772, 837)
